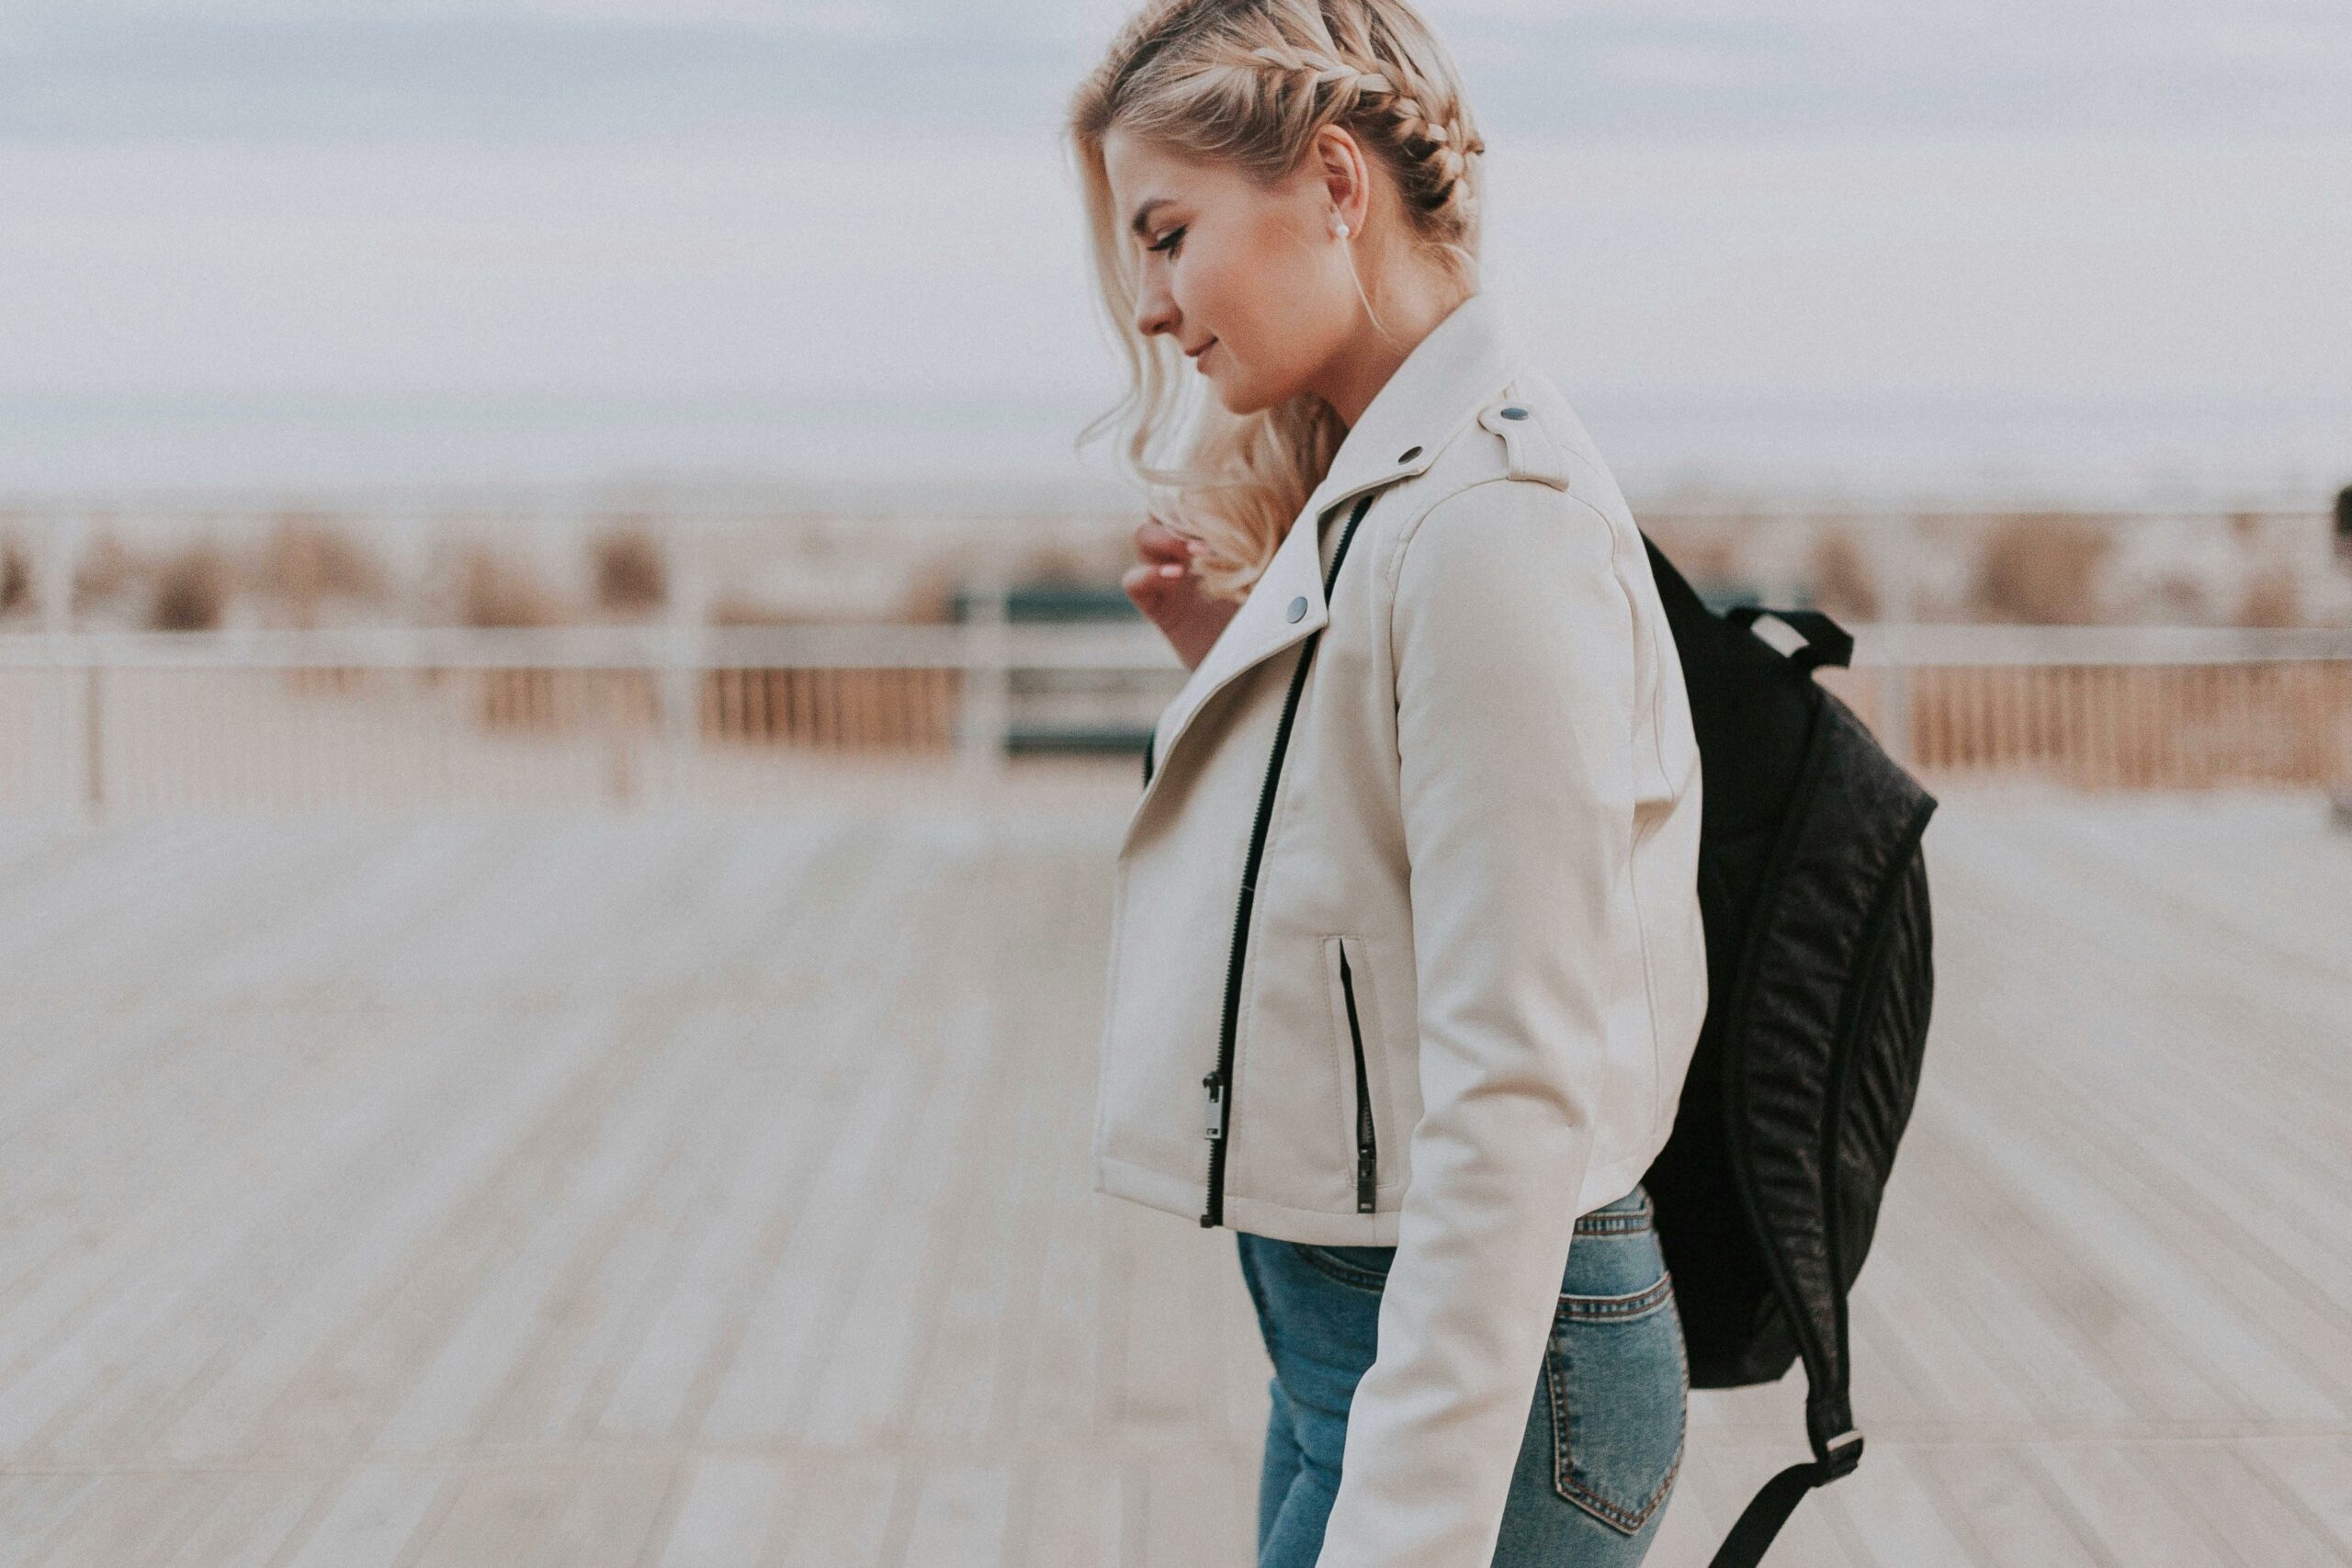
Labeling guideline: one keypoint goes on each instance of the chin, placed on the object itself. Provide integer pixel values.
(1241, 400)
(1252, 394)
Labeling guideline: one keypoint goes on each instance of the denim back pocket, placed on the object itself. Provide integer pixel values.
(1363, 1267)
(1616, 1369)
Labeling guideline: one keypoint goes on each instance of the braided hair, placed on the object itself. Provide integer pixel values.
(1251, 82)
(1430, 154)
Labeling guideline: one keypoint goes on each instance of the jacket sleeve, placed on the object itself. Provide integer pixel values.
(1513, 651)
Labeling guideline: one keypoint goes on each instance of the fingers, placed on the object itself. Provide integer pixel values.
(1158, 542)
(1150, 584)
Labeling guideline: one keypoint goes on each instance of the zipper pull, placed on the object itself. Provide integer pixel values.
(1216, 1106)
(1366, 1173)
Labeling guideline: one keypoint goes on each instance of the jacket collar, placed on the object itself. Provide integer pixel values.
(1449, 375)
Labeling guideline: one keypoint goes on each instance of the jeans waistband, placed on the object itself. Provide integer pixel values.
(1632, 1212)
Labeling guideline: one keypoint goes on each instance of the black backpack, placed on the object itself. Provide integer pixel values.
(1814, 888)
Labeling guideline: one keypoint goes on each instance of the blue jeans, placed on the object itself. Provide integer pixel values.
(1604, 1428)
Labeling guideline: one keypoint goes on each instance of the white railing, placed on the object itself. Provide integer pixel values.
(988, 641)
(127, 719)
(1896, 645)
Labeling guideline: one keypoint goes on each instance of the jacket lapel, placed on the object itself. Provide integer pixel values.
(1260, 627)
(1449, 375)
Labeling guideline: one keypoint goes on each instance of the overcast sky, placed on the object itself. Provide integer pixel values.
(300, 70)
(1881, 243)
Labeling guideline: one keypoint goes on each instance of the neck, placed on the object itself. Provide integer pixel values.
(1409, 308)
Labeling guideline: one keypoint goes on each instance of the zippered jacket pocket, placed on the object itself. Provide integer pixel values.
(1349, 1016)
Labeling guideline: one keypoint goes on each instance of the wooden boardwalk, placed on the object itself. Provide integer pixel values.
(712, 1189)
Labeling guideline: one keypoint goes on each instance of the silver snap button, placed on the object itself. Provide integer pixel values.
(1408, 454)
(1298, 607)
(1514, 411)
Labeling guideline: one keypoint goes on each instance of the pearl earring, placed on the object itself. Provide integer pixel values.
(1338, 226)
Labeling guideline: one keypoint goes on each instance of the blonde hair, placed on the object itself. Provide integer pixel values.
(1250, 83)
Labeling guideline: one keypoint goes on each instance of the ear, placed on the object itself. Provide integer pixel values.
(1346, 174)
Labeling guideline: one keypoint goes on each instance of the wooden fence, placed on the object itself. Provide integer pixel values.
(2124, 726)
(114, 720)
(2109, 707)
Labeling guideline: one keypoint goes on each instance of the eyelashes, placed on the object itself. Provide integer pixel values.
(1169, 243)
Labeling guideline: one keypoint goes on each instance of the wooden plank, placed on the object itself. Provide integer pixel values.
(864, 1385)
(369, 1520)
(672, 1082)
(2315, 1473)
(661, 1375)
(1073, 1503)
(763, 1392)
(2005, 1511)
(2279, 904)
(1888, 1380)
(38, 1510)
(775, 1348)
(1163, 1371)
(2267, 1285)
(2268, 1376)
(116, 1294)
(975, 1349)
(1062, 1392)
(1886, 1513)
(2242, 1513)
(496, 1514)
(371, 1221)
(1723, 1476)
(1981, 1234)
(1196, 1507)
(95, 897)
(412, 872)
(253, 1515)
(123, 1516)
(1686, 1534)
(347, 1392)
(609, 1519)
(167, 1505)
(2136, 1521)
(124, 932)
(804, 1068)
(186, 1302)
(1972, 1379)
(93, 1173)
(728, 1511)
(841, 1511)
(2080, 1312)
(962, 1516)
(1241, 1398)
(599, 1305)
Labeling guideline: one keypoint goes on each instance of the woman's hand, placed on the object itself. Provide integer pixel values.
(1163, 586)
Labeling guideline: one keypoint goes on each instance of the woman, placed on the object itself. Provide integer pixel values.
(1406, 961)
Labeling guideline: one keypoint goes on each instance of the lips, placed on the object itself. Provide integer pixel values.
(1199, 355)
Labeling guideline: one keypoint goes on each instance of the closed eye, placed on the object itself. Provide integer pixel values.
(1168, 242)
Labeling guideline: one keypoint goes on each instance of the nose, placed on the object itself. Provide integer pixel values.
(1155, 308)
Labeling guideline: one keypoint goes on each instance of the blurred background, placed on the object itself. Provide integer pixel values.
(565, 710)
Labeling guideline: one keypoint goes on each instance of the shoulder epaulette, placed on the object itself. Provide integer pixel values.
(1528, 450)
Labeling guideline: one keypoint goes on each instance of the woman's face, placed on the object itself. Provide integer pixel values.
(1248, 280)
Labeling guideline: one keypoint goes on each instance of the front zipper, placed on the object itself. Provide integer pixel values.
(1219, 1081)
(1367, 1159)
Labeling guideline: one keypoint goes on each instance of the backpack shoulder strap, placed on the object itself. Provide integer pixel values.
(1770, 1507)
(1825, 642)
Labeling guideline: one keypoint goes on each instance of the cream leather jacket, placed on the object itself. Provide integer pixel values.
(1406, 942)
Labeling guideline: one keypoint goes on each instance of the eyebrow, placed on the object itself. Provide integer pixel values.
(1143, 213)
